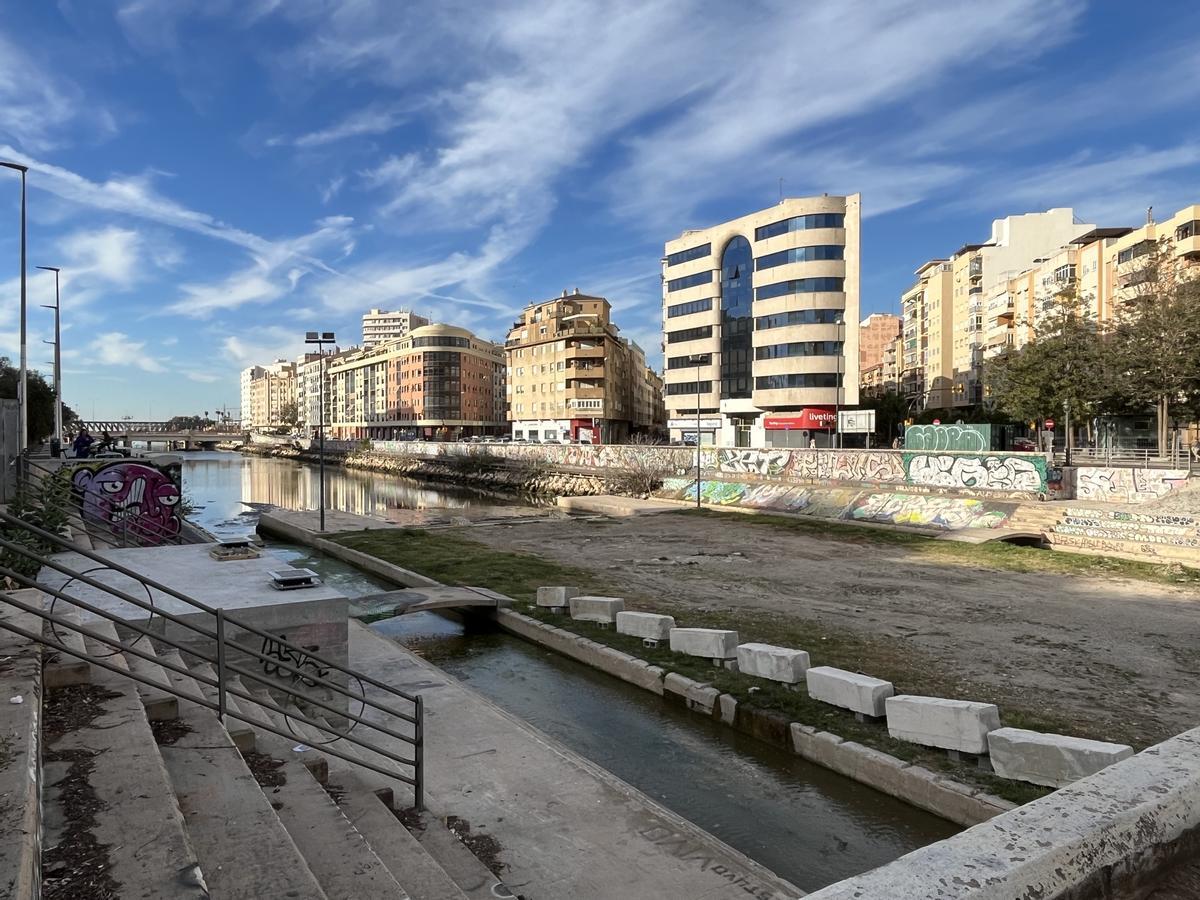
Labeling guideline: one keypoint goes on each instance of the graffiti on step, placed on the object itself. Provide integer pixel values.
(684, 848)
(299, 659)
(131, 499)
(1126, 485)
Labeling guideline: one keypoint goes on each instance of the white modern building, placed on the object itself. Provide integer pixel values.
(380, 325)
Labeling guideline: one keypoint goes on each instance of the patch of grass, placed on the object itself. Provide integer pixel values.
(990, 555)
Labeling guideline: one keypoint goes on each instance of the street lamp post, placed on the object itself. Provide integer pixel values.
(697, 360)
(22, 397)
(57, 307)
(321, 339)
(837, 399)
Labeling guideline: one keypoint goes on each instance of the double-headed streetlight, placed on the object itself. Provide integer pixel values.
(22, 398)
(321, 339)
(58, 422)
(698, 360)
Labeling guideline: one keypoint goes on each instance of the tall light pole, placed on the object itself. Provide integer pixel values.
(58, 422)
(697, 360)
(22, 397)
(321, 339)
(837, 399)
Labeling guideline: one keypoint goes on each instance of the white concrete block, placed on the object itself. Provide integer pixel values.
(935, 722)
(711, 643)
(596, 609)
(1054, 760)
(773, 663)
(645, 625)
(849, 690)
(556, 596)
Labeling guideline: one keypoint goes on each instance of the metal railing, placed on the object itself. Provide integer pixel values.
(1131, 457)
(285, 665)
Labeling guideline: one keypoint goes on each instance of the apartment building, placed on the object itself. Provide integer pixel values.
(755, 333)
(380, 326)
(875, 333)
(270, 392)
(572, 377)
(248, 375)
(438, 382)
(926, 377)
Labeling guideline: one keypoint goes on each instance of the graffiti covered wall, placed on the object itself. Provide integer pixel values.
(138, 499)
(1126, 485)
(971, 438)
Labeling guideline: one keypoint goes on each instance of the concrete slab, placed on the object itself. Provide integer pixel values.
(849, 690)
(1054, 760)
(773, 663)
(936, 722)
(565, 824)
(20, 731)
(556, 596)
(710, 643)
(609, 505)
(649, 626)
(596, 609)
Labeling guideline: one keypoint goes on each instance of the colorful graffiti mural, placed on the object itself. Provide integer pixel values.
(936, 438)
(991, 472)
(930, 511)
(131, 498)
(1126, 485)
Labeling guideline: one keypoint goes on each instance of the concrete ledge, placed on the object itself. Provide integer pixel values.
(1054, 760)
(21, 776)
(849, 690)
(772, 663)
(709, 643)
(1111, 834)
(373, 564)
(596, 609)
(936, 722)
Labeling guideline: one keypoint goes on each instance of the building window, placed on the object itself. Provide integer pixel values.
(687, 281)
(736, 322)
(689, 334)
(1141, 248)
(686, 309)
(798, 317)
(442, 341)
(688, 255)
(686, 362)
(800, 223)
(798, 286)
(796, 380)
(689, 387)
(1187, 230)
(800, 254)
(799, 348)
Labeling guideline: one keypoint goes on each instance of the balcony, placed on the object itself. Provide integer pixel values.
(975, 269)
(584, 392)
(579, 352)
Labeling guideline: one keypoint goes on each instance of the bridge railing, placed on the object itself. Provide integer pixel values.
(131, 427)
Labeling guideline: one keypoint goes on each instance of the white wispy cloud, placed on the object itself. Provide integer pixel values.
(378, 118)
(269, 343)
(116, 348)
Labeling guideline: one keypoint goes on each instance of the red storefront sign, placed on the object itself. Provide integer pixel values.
(812, 418)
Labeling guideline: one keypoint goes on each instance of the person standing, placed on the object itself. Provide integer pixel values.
(83, 444)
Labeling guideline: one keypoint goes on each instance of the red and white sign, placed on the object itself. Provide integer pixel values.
(1050, 424)
(937, 421)
(812, 418)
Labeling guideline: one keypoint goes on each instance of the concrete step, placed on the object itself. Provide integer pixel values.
(245, 851)
(63, 669)
(339, 856)
(1119, 525)
(137, 828)
(241, 733)
(475, 879)
(1145, 518)
(160, 705)
(1139, 551)
(20, 763)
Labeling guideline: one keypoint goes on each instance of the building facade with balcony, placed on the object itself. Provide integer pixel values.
(572, 377)
(759, 339)
(926, 375)
(380, 325)
(439, 382)
(271, 395)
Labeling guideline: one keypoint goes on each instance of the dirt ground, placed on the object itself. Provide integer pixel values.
(1111, 658)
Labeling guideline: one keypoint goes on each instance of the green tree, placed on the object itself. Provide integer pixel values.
(289, 414)
(41, 400)
(891, 409)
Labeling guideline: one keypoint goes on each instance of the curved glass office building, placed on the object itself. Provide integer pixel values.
(760, 324)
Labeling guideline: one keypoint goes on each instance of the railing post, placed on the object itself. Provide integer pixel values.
(419, 755)
(221, 664)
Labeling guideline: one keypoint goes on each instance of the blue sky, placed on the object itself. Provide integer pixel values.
(217, 176)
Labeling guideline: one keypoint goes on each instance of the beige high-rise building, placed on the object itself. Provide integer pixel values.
(875, 333)
(572, 377)
(380, 325)
(758, 324)
(926, 378)
(271, 391)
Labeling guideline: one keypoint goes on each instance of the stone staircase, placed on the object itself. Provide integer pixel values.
(1142, 536)
(110, 787)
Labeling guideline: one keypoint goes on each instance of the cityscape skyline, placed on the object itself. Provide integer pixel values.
(216, 179)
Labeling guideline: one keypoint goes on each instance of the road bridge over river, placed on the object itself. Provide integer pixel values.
(168, 433)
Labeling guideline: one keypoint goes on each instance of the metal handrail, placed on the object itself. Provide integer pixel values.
(281, 662)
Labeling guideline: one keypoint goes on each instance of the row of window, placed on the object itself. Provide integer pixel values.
(800, 223)
(800, 254)
(689, 362)
(689, 334)
(442, 341)
(795, 380)
(798, 286)
(687, 281)
(799, 348)
(689, 387)
(1141, 248)
(686, 309)
(688, 255)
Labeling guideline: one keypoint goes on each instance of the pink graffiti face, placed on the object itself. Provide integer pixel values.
(131, 498)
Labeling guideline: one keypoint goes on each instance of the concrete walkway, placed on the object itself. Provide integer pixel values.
(567, 827)
(610, 505)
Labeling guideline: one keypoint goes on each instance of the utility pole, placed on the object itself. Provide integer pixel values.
(57, 307)
(23, 386)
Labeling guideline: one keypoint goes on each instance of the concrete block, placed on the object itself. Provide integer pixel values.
(935, 722)
(680, 685)
(702, 698)
(645, 625)
(710, 643)
(772, 663)
(596, 609)
(556, 596)
(849, 690)
(728, 708)
(1054, 760)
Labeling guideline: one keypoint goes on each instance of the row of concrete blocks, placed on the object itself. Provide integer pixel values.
(959, 726)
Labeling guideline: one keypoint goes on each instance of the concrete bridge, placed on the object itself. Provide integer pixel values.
(168, 433)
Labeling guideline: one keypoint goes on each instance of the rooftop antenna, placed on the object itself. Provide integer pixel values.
(1149, 215)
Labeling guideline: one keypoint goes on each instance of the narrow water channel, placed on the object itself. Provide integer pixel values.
(807, 824)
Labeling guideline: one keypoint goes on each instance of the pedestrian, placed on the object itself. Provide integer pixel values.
(895, 443)
(83, 444)
(812, 443)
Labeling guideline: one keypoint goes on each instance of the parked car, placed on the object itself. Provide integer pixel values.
(1024, 445)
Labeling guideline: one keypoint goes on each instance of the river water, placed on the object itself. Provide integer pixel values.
(807, 824)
